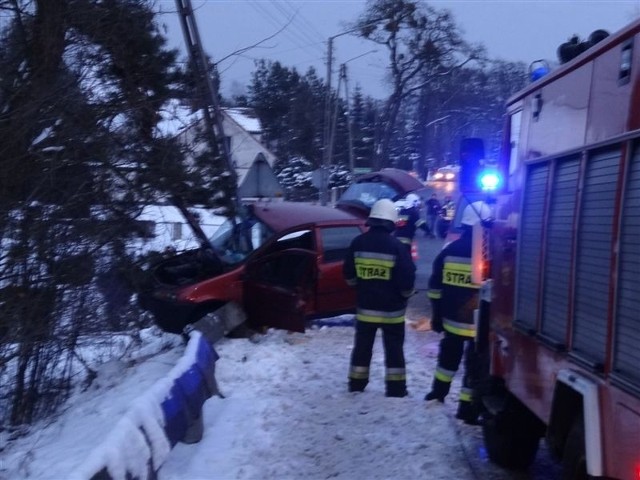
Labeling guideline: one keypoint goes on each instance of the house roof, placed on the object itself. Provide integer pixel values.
(246, 118)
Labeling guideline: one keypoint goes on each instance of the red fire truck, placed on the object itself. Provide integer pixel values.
(562, 302)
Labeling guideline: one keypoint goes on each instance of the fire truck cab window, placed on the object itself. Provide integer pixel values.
(625, 63)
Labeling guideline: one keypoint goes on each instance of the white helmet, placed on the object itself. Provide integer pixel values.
(475, 212)
(384, 210)
(412, 201)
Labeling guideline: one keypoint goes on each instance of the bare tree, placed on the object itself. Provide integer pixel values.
(423, 44)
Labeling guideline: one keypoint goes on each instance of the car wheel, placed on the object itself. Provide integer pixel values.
(512, 436)
(574, 458)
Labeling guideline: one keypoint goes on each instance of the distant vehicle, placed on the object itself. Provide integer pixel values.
(448, 173)
(280, 264)
(391, 183)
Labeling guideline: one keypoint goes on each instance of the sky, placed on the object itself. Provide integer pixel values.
(296, 33)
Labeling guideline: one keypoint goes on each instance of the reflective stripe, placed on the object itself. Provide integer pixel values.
(352, 282)
(457, 272)
(377, 256)
(405, 240)
(434, 294)
(465, 394)
(359, 373)
(445, 376)
(395, 374)
(461, 260)
(377, 316)
(459, 328)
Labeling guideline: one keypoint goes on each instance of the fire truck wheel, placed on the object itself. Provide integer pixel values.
(512, 436)
(574, 459)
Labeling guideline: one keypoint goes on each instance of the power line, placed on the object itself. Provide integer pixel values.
(295, 37)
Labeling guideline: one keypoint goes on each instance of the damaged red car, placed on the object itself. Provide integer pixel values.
(279, 265)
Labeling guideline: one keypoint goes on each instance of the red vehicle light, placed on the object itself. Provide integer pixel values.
(637, 472)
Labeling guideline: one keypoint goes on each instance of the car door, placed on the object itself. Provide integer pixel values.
(278, 289)
(333, 295)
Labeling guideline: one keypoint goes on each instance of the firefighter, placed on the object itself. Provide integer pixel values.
(447, 213)
(453, 300)
(409, 220)
(448, 209)
(382, 271)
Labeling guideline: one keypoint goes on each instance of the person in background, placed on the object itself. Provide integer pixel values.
(383, 273)
(448, 208)
(453, 300)
(409, 220)
(433, 210)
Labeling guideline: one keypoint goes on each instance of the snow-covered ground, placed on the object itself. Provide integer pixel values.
(286, 414)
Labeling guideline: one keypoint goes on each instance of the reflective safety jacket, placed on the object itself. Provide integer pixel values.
(409, 221)
(453, 295)
(381, 269)
(448, 210)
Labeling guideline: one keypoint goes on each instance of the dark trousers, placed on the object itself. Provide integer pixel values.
(393, 343)
(452, 349)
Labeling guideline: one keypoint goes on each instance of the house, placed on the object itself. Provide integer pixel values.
(253, 164)
(252, 160)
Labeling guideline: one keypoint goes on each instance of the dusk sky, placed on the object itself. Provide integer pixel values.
(516, 30)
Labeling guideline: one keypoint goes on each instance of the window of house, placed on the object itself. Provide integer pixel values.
(176, 231)
(146, 228)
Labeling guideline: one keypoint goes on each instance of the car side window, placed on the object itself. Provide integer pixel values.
(300, 239)
(336, 241)
(288, 270)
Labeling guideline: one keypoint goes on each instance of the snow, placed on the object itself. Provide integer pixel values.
(286, 413)
(165, 218)
(245, 118)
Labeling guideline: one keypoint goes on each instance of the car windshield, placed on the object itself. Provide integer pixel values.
(235, 240)
(369, 192)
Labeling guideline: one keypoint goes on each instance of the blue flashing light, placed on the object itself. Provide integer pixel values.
(490, 181)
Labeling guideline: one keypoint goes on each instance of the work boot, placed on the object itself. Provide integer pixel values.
(397, 393)
(357, 385)
(468, 413)
(434, 396)
(438, 391)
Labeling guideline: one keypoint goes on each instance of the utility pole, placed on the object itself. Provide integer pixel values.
(343, 72)
(208, 91)
(326, 154)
